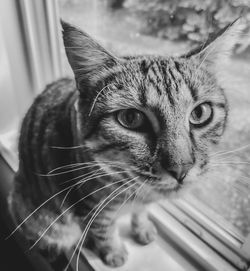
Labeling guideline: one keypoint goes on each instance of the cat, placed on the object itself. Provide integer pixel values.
(128, 129)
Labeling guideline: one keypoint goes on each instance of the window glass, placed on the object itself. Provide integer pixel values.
(172, 27)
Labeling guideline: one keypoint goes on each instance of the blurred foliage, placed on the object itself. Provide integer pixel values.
(188, 19)
(115, 4)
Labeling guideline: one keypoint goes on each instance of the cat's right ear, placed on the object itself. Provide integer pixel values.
(215, 53)
(88, 59)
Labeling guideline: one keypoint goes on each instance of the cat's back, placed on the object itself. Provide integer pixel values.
(46, 123)
(54, 95)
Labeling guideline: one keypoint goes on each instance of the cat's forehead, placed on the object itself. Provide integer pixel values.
(152, 81)
(165, 85)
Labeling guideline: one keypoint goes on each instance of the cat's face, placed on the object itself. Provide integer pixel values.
(159, 118)
(152, 117)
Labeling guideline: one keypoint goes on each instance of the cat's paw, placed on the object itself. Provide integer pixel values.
(145, 234)
(114, 257)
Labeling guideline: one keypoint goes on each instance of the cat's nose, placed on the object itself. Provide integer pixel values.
(179, 172)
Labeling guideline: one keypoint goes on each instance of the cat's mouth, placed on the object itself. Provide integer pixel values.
(164, 183)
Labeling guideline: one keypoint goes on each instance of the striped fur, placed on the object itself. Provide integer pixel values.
(69, 124)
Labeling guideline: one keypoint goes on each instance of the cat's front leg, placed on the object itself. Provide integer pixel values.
(108, 243)
(143, 230)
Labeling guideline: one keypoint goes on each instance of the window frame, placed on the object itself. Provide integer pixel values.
(202, 227)
(36, 61)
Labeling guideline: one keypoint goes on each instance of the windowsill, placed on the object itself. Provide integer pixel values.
(175, 248)
(181, 244)
(8, 148)
(158, 255)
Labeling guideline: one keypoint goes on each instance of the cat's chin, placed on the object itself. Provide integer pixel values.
(158, 195)
(169, 184)
(161, 193)
(170, 192)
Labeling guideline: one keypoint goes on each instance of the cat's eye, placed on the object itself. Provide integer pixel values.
(131, 118)
(201, 114)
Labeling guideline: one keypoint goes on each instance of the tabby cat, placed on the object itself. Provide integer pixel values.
(127, 130)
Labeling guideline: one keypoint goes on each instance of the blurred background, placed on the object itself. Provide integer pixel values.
(32, 55)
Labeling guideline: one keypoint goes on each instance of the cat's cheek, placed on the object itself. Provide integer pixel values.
(112, 155)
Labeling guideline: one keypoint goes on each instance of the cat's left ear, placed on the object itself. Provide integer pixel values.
(87, 58)
(214, 54)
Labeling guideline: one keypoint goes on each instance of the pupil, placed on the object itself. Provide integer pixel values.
(130, 117)
(198, 112)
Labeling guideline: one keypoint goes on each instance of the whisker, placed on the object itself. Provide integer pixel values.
(138, 191)
(41, 205)
(146, 192)
(82, 181)
(110, 174)
(82, 238)
(87, 175)
(73, 170)
(91, 172)
(232, 151)
(222, 158)
(93, 175)
(70, 207)
(85, 163)
(67, 171)
(97, 96)
(230, 163)
(66, 166)
(126, 200)
(68, 147)
(92, 220)
(65, 197)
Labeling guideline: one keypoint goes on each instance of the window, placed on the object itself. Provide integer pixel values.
(27, 68)
(211, 221)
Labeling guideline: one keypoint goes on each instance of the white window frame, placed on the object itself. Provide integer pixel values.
(30, 30)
